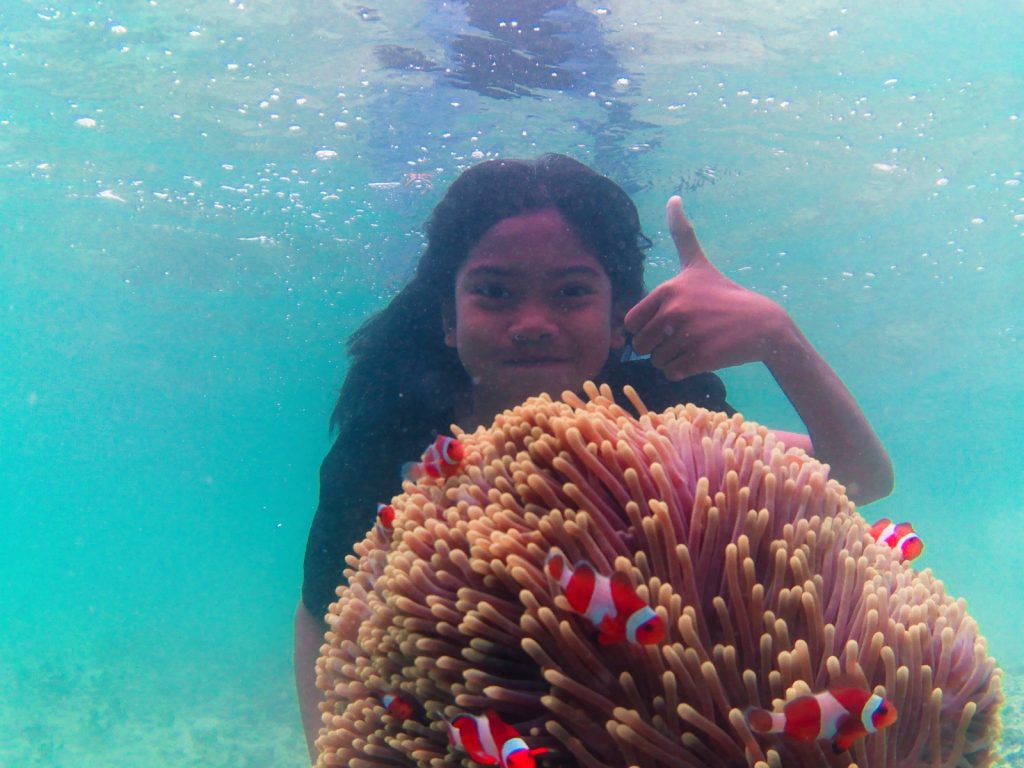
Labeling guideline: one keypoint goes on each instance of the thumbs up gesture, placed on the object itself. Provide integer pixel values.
(700, 320)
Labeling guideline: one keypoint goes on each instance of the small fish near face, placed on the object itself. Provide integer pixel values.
(609, 602)
(489, 740)
(899, 536)
(442, 459)
(843, 715)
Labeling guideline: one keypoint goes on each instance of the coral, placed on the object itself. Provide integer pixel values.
(763, 571)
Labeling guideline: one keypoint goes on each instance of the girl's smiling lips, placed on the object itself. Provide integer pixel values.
(535, 361)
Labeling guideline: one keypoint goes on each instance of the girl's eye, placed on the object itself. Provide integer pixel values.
(491, 291)
(574, 291)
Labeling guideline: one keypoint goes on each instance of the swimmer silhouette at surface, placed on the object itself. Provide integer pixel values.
(532, 281)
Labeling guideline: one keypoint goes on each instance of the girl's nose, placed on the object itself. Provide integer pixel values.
(533, 323)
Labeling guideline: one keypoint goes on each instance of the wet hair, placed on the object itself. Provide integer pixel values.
(401, 372)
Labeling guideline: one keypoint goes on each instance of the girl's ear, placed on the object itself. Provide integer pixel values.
(448, 326)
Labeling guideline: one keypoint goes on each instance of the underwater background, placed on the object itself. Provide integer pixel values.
(200, 201)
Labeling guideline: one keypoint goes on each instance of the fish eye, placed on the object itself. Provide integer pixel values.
(650, 632)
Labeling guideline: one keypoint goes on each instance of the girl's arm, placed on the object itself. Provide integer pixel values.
(309, 636)
(700, 320)
(840, 435)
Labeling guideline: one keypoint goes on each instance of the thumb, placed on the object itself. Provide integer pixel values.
(689, 250)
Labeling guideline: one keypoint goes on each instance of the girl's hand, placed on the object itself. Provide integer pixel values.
(700, 320)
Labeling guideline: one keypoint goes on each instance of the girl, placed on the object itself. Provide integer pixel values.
(532, 281)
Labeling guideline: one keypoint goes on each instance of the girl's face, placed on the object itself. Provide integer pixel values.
(533, 313)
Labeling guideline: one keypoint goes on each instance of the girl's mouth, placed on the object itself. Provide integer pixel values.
(534, 362)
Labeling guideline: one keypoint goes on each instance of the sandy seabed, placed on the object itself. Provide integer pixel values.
(110, 715)
(1012, 744)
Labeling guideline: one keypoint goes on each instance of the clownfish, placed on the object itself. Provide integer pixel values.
(489, 740)
(442, 459)
(899, 536)
(609, 602)
(386, 516)
(397, 705)
(840, 714)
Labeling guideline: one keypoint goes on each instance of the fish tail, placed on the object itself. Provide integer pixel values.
(760, 720)
(554, 564)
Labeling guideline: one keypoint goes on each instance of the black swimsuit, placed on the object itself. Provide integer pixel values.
(360, 471)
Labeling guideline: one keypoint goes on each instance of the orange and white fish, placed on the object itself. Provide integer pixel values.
(386, 517)
(899, 536)
(609, 602)
(840, 714)
(442, 459)
(489, 740)
(398, 705)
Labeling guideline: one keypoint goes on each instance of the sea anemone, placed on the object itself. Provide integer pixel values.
(761, 569)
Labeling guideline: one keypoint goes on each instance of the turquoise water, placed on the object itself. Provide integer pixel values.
(198, 205)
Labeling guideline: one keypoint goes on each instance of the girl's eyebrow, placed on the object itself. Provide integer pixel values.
(580, 270)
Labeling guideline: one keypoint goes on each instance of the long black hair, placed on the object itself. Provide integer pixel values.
(401, 373)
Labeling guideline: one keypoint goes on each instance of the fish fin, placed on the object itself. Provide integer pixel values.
(624, 593)
(581, 586)
(611, 632)
(501, 730)
(850, 726)
(759, 720)
(848, 730)
(412, 471)
(842, 743)
(879, 526)
(847, 680)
